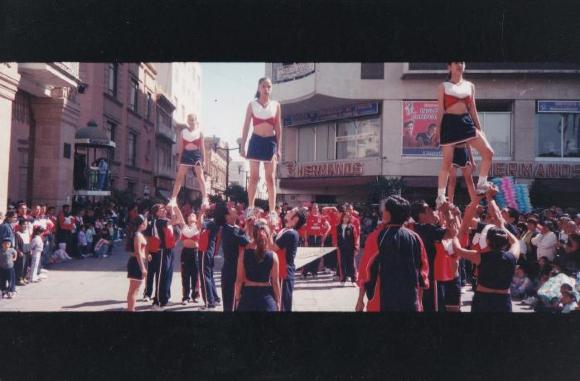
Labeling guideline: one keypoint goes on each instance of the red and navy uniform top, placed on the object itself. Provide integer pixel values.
(159, 235)
(66, 222)
(232, 240)
(287, 240)
(210, 237)
(315, 225)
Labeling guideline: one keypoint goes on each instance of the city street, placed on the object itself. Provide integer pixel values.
(101, 285)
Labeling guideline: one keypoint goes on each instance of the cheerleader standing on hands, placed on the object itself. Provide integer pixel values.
(459, 123)
(192, 155)
(265, 142)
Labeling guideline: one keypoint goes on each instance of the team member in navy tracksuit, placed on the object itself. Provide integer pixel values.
(286, 245)
(209, 244)
(162, 229)
(232, 239)
(347, 239)
(400, 267)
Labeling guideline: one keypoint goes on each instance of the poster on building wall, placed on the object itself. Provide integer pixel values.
(420, 128)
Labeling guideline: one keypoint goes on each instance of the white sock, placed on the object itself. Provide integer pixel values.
(482, 180)
(440, 192)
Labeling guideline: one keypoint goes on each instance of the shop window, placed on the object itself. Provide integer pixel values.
(372, 70)
(306, 144)
(558, 135)
(358, 138)
(497, 128)
(325, 147)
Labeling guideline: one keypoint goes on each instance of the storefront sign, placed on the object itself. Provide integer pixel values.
(420, 128)
(287, 72)
(559, 107)
(325, 169)
(536, 170)
(336, 113)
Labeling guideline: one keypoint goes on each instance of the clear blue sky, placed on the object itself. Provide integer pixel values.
(225, 91)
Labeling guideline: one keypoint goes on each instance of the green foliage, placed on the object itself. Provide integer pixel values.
(237, 193)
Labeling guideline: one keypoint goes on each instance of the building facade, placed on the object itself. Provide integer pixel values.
(347, 123)
(121, 99)
(39, 112)
(240, 175)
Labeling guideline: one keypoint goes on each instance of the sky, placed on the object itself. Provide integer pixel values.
(226, 90)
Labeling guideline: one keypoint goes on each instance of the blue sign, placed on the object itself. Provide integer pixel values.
(560, 107)
(343, 112)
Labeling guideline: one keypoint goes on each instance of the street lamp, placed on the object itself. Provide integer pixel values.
(216, 147)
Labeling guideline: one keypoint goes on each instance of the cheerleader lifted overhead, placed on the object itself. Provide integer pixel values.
(459, 124)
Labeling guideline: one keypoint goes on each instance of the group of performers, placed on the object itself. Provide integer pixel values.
(259, 271)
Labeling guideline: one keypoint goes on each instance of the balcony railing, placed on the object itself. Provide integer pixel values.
(71, 68)
(51, 74)
(162, 171)
(165, 131)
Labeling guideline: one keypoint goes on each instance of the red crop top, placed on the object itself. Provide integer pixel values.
(264, 114)
(191, 137)
(456, 92)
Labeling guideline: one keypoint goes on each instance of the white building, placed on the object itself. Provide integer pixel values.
(240, 175)
(344, 122)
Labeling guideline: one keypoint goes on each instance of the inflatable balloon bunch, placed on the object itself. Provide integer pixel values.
(500, 196)
(523, 198)
(512, 195)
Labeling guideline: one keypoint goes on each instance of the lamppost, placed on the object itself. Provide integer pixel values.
(216, 147)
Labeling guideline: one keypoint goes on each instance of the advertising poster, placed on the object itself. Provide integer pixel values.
(420, 128)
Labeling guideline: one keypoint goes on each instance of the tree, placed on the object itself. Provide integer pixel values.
(237, 193)
(385, 187)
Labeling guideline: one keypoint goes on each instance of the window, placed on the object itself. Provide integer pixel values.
(325, 147)
(358, 138)
(372, 70)
(497, 128)
(112, 127)
(306, 140)
(164, 156)
(131, 148)
(558, 135)
(131, 187)
(149, 106)
(134, 95)
(67, 150)
(113, 71)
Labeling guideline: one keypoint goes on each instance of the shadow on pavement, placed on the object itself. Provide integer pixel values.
(96, 303)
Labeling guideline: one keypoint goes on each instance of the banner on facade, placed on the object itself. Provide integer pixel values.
(420, 128)
(559, 107)
(282, 72)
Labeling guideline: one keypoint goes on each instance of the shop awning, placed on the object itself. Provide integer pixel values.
(317, 182)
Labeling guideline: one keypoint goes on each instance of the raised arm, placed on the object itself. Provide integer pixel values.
(468, 217)
(471, 255)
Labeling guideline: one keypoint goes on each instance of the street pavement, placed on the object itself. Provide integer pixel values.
(101, 285)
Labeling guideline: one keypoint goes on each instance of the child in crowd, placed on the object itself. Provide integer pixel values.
(102, 246)
(7, 274)
(90, 233)
(521, 286)
(82, 240)
(568, 300)
(60, 255)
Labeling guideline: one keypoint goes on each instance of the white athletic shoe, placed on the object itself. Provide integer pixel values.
(440, 200)
(157, 307)
(249, 212)
(205, 203)
(44, 271)
(172, 201)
